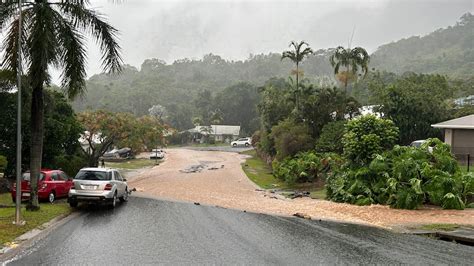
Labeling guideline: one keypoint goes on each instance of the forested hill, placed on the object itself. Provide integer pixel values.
(156, 82)
(447, 51)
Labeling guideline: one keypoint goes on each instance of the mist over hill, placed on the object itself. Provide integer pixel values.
(447, 51)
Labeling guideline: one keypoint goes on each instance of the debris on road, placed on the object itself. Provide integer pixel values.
(197, 203)
(302, 215)
(193, 169)
(298, 194)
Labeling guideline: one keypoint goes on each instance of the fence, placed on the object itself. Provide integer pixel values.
(465, 161)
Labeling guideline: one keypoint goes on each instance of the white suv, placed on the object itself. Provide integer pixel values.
(242, 142)
(96, 185)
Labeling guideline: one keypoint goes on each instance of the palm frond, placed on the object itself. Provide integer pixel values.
(72, 57)
(42, 44)
(7, 13)
(103, 32)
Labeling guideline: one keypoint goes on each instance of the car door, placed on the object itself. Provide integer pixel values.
(67, 182)
(57, 184)
(118, 182)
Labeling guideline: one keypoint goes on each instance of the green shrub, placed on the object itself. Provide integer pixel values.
(330, 139)
(304, 167)
(290, 138)
(405, 178)
(367, 136)
(3, 163)
(70, 164)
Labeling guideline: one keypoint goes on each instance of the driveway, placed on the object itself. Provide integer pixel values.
(146, 231)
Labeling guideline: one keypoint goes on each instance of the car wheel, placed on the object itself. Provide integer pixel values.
(114, 201)
(234, 145)
(246, 144)
(51, 197)
(124, 198)
(73, 204)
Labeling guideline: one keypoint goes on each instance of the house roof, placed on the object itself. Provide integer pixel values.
(465, 122)
(225, 130)
(216, 130)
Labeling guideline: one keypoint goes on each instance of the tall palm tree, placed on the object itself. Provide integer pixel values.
(297, 55)
(352, 60)
(52, 36)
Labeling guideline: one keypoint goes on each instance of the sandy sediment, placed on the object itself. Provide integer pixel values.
(226, 185)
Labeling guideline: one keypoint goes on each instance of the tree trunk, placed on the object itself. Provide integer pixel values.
(297, 87)
(36, 149)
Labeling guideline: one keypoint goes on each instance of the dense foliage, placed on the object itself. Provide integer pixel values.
(291, 138)
(104, 130)
(3, 163)
(330, 139)
(415, 102)
(404, 177)
(286, 125)
(304, 167)
(367, 136)
(62, 130)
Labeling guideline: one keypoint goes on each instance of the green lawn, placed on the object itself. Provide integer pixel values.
(9, 231)
(132, 164)
(261, 174)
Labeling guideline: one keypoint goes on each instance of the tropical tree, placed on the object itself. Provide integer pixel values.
(352, 60)
(297, 55)
(52, 36)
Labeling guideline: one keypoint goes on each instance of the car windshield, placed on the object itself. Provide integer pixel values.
(26, 176)
(93, 175)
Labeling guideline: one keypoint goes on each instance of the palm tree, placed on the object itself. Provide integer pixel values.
(352, 60)
(297, 55)
(52, 36)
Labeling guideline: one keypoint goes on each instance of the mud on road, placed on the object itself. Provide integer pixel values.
(216, 178)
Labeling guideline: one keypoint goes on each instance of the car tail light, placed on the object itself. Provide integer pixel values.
(108, 187)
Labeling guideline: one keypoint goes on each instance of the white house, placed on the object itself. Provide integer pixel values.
(224, 133)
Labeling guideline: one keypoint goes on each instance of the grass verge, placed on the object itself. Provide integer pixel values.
(440, 227)
(9, 231)
(261, 174)
(132, 164)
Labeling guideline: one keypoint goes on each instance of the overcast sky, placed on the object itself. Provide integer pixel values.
(233, 29)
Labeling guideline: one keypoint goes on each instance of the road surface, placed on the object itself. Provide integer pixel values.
(148, 231)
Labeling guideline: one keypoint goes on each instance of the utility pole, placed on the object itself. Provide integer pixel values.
(18, 129)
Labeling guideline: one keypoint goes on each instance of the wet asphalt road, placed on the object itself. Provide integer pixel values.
(146, 231)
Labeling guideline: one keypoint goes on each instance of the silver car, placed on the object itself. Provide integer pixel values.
(98, 185)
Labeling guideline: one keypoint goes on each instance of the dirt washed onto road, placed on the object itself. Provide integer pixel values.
(216, 178)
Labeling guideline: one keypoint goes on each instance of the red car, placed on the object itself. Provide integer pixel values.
(52, 184)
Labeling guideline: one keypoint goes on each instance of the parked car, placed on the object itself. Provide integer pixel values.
(157, 154)
(52, 184)
(119, 153)
(418, 143)
(98, 185)
(242, 142)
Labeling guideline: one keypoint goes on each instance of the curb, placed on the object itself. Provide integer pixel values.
(462, 235)
(28, 239)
